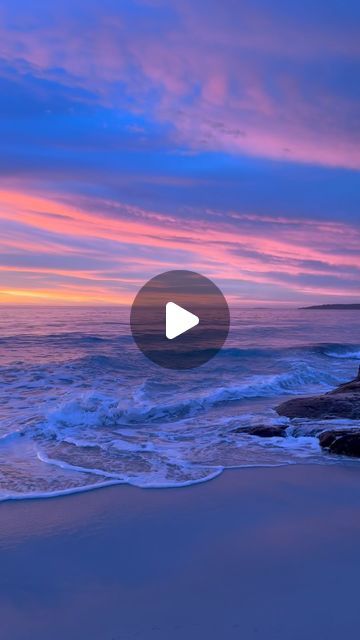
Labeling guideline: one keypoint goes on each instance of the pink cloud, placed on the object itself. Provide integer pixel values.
(215, 72)
(123, 251)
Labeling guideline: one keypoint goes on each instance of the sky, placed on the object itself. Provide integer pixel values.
(139, 136)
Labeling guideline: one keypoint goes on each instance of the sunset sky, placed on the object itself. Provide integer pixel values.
(141, 136)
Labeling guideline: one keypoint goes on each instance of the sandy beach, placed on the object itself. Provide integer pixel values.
(256, 553)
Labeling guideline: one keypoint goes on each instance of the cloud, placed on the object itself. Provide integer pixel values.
(115, 252)
(244, 78)
(143, 135)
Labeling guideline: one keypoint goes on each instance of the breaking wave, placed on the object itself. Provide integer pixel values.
(83, 409)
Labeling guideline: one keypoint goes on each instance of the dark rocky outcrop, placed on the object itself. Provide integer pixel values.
(341, 441)
(343, 402)
(327, 438)
(262, 431)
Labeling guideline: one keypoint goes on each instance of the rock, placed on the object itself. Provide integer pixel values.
(341, 441)
(347, 445)
(321, 407)
(326, 438)
(263, 432)
(342, 402)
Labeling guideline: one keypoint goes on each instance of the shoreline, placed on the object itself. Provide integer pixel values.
(341, 442)
(342, 461)
(240, 556)
(343, 402)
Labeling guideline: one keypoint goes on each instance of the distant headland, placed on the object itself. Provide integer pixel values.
(334, 306)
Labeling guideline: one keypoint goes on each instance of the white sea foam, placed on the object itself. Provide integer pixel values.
(347, 355)
(82, 410)
(98, 410)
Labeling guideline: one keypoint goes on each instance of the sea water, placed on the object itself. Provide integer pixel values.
(80, 406)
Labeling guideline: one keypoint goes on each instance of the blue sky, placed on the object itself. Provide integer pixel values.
(141, 136)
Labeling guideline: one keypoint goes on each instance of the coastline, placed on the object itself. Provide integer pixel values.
(343, 402)
(255, 553)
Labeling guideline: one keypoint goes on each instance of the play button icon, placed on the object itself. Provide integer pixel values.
(179, 319)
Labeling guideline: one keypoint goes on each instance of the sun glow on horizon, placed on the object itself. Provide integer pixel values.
(82, 254)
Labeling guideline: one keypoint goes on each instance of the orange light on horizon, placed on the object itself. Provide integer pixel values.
(27, 296)
(115, 255)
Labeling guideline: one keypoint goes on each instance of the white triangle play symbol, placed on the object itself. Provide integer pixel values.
(178, 320)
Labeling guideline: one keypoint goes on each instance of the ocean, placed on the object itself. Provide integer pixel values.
(80, 406)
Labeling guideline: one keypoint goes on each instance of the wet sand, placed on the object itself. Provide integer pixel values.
(254, 554)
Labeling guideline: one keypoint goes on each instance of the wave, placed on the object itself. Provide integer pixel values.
(344, 354)
(336, 349)
(140, 481)
(102, 410)
(320, 349)
(101, 417)
(39, 495)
